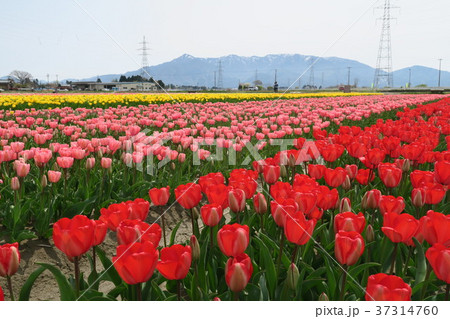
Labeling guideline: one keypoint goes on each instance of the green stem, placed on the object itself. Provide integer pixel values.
(94, 258)
(138, 292)
(236, 296)
(425, 285)
(394, 256)
(294, 254)
(163, 222)
(77, 275)
(211, 236)
(192, 221)
(407, 260)
(179, 290)
(344, 281)
(262, 222)
(447, 291)
(280, 253)
(9, 283)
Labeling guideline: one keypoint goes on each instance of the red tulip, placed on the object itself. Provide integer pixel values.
(260, 203)
(136, 262)
(382, 287)
(9, 259)
(138, 209)
(74, 236)
(345, 205)
(99, 232)
(218, 194)
(349, 222)
(389, 174)
(326, 198)
(159, 196)
(236, 200)
(356, 150)
(434, 193)
(298, 230)
(335, 177)
(130, 231)
(390, 204)
(365, 176)
(233, 239)
(188, 195)
(439, 258)
(371, 199)
(399, 228)
(419, 178)
(352, 171)
(436, 228)
(2, 296)
(331, 152)
(175, 262)
(238, 271)
(211, 214)
(306, 201)
(280, 191)
(280, 210)
(271, 173)
(442, 172)
(316, 171)
(114, 214)
(375, 156)
(211, 179)
(348, 247)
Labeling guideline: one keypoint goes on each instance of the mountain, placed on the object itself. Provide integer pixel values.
(328, 71)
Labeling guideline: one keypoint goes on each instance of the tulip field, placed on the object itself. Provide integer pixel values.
(225, 197)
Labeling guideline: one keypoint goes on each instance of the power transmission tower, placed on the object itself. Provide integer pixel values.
(215, 80)
(220, 76)
(383, 71)
(144, 54)
(348, 75)
(256, 75)
(439, 78)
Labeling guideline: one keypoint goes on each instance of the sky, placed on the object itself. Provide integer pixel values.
(84, 38)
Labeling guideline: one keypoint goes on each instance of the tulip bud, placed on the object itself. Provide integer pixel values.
(371, 199)
(292, 276)
(217, 299)
(179, 148)
(15, 184)
(106, 162)
(195, 212)
(260, 203)
(418, 197)
(323, 297)
(195, 248)
(345, 205)
(44, 181)
(283, 171)
(90, 163)
(172, 166)
(370, 235)
(347, 184)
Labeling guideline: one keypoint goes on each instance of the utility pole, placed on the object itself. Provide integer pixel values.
(220, 77)
(56, 79)
(48, 78)
(348, 75)
(275, 75)
(439, 79)
(409, 78)
(215, 82)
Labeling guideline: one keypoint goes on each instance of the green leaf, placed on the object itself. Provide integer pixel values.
(26, 288)
(174, 233)
(110, 271)
(65, 289)
(355, 271)
(421, 264)
(269, 266)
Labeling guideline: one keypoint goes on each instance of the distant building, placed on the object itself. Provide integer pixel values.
(6, 84)
(114, 86)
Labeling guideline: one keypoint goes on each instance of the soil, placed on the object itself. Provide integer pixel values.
(44, 251)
